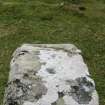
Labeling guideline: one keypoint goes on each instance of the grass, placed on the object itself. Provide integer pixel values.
(46, 21)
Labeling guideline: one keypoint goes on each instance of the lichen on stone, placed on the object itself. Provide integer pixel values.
(49, 74)
(82, 91)
(17, 92)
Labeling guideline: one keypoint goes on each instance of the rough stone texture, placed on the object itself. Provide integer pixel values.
(49, 74)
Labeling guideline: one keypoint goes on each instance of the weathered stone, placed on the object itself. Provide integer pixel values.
(49, 74)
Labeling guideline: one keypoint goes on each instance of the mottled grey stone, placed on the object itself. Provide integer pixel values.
(49, 74)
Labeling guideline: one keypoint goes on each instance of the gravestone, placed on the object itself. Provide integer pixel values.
(49, 74)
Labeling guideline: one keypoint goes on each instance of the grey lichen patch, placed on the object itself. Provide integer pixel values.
(82, 90)
(24, 62)
(15, 93)
(38, 90)
(18, 92)
(51, 70)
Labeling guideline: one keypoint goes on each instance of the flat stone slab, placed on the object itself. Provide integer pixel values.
(49, 74)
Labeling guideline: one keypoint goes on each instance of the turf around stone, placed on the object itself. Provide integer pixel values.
(46, 21)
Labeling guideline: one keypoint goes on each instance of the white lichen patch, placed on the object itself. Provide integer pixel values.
(49, 74)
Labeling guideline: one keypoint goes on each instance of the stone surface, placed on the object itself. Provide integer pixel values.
(49, 74)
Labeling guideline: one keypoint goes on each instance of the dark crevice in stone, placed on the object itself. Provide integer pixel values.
(16, 81)
(88, 76)
(23, 52)
(25, 75)
(60, 94)
(76, 88)
(13, 60)
(13, 103)
(38, 96)
(35, 72)
(57, 85)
